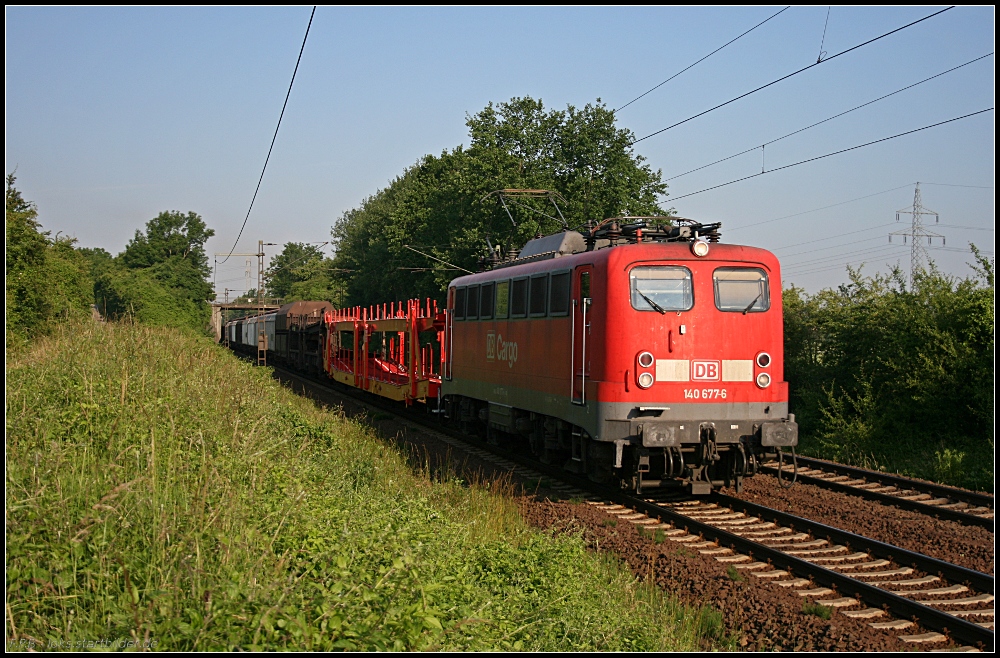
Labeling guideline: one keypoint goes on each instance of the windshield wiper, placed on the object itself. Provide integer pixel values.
(751, 303)
(655, 306)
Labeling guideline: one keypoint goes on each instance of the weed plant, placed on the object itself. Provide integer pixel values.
(821, 611)
(160, 491)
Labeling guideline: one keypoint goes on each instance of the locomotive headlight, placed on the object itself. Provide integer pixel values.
(763, 380)
(646, 360)
(763, 359)
(699, 248)
(645, 380)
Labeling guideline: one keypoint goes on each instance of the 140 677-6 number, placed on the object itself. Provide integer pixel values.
(704, 394)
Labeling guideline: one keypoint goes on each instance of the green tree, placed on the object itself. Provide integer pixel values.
(170, 234)
(437, 206)
(99, 259)
(317, 281)
(26, 244)
(296, 263)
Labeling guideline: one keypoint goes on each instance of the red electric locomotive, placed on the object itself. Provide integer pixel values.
(642, 352)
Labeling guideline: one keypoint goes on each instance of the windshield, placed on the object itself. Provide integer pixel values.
(741, 289)
(661, 288)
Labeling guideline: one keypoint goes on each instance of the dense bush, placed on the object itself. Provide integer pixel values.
(898, 378)
(47, 281)
(159, 278)
(142, 295)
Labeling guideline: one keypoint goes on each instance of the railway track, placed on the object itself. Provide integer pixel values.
(860, 577)
(887, 586)
(965, 507)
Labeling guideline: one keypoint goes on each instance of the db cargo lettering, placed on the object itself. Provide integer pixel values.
(497, 349)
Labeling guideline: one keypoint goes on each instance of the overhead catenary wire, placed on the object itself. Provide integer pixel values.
(967, 228)
(690, 66)
(811, 262)
(318, 252)
(835, 116)
(834, 266)
(780, 250)
(964, 251)
(863, 261)
(793, 73)
(806, 212)
(823, 40)
(825, 265)
(827, 155)
(842, 203)
(805, 259)
(833, 237)
(450, 265)
(978, 187)
(275, 137)
(875, 260)
(868, 252)
(827, 248)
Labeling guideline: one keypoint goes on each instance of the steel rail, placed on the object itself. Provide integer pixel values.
(960, 495)
(971, 497)
(926, 563)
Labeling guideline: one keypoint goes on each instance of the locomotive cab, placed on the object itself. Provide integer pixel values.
(694, 332)
(655, 362)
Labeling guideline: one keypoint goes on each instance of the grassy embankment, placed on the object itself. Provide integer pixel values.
(159, 489)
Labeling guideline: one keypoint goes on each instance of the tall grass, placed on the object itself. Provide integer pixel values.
(161, 492)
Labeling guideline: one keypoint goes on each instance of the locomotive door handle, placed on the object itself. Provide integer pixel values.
(572, 351)
(583, 354)
(670, 341)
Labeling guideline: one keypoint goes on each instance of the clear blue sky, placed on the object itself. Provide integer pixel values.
(113, 115)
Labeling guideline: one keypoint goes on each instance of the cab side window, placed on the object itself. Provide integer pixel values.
(539, 290)
(519, 298)
(472, 307)
(460, 296)
(559, 293)
(486, 301)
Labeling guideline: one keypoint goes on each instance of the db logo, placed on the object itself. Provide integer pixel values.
(705, 370)
(491, 346)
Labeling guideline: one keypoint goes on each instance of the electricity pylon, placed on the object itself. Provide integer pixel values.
(917, 234)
